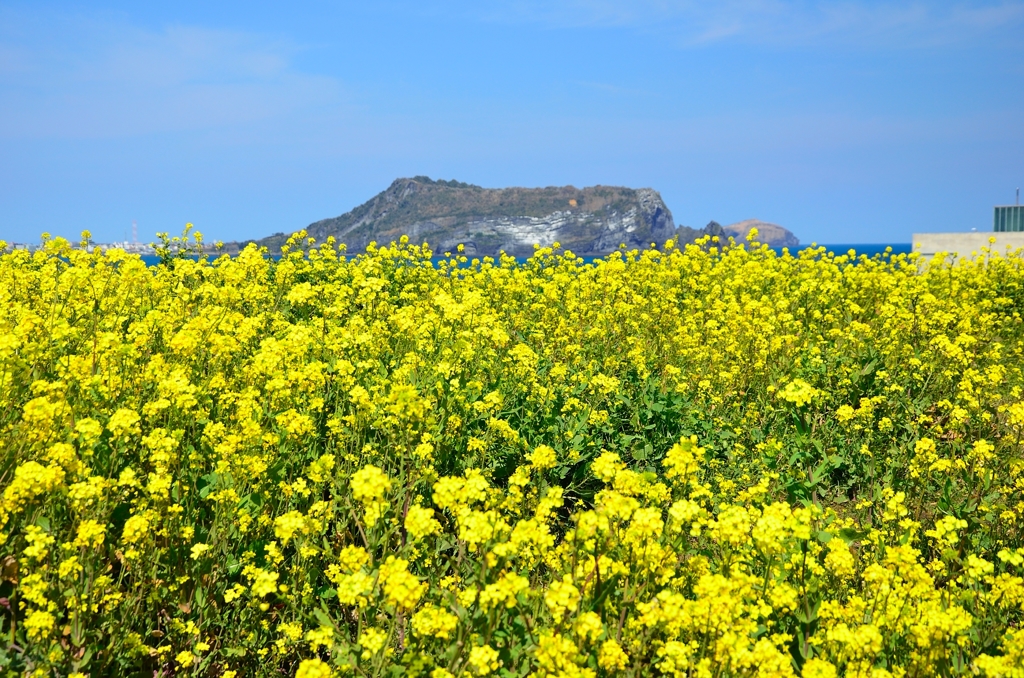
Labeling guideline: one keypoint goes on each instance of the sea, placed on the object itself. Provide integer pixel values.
(870, 250)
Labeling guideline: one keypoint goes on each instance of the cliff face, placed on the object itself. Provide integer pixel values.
(445, 214)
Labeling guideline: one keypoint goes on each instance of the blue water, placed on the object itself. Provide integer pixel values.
(870, 249)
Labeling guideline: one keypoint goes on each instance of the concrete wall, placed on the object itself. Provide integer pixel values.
(965, 244)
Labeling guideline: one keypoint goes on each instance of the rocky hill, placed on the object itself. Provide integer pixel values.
(589, 221)
(772, 234)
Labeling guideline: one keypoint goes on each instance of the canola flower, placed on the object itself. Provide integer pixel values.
(707, 461)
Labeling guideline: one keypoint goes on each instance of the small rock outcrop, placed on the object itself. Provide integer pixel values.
(770, 234)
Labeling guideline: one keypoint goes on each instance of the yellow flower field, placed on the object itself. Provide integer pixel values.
(708, 461)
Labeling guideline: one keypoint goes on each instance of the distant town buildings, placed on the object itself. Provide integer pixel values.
(133, 247)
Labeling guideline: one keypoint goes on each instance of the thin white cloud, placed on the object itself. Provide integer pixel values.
(853, 23)
(83, 78)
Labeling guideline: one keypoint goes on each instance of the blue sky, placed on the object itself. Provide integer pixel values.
(845, 121)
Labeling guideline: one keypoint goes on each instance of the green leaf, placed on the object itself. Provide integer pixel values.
(207, 484)
(323, 617)
(820, 472)
(806, 616)
(850, 535)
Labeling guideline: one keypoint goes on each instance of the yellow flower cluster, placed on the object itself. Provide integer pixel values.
(710, 461)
